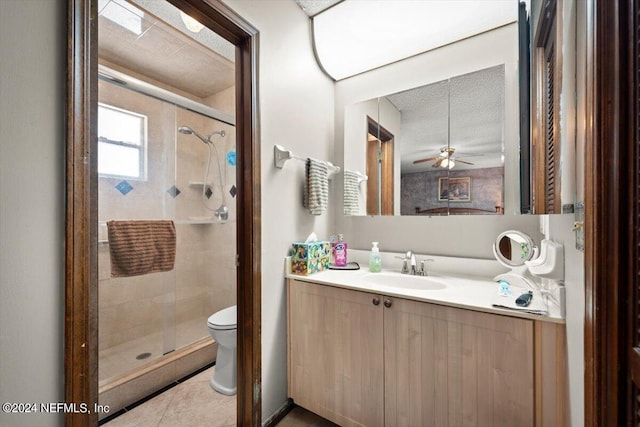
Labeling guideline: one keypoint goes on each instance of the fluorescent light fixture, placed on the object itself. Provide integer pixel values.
(191, 24)
(125, 15)
(357, 36)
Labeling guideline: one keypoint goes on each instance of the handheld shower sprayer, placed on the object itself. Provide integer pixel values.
(222, 213)
(188, 131)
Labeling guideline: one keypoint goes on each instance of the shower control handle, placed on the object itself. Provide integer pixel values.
(376, 301)
(387, 303)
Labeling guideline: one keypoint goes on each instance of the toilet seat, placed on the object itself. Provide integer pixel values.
(224, 319)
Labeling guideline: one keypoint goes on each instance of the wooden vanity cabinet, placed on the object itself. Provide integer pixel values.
(335, 342)
(448, 366)
(362, 359)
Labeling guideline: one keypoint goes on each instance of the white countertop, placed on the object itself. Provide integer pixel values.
(467, 292)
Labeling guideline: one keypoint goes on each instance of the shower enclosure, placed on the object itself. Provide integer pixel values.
(150, 170)
(166, 150)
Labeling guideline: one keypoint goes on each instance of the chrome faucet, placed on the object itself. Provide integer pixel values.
(409, 260)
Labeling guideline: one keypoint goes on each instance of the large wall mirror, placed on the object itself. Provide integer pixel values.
(446, 139)
(470, 140)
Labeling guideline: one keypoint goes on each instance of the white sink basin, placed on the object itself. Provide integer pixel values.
(404, 281)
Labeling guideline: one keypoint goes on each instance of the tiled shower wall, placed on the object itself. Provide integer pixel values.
(170, 308)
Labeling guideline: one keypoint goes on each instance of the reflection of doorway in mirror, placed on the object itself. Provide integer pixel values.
(379, 169)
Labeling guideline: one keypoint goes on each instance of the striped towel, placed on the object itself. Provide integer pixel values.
(316, 187)
(141, 247)
(351, 202)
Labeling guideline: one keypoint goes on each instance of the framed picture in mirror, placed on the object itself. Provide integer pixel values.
(454, 189)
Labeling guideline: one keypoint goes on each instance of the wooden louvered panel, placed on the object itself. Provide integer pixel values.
(550, 143)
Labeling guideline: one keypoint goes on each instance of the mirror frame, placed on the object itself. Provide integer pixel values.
(497, 248)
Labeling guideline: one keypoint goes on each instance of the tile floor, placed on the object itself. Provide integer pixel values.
(194, 403)
(190, 404)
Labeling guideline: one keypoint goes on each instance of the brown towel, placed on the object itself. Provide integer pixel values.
(141, 247)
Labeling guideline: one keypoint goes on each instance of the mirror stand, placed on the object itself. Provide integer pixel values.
(514, 249)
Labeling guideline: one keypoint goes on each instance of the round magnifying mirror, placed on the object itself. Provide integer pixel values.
(513, 248)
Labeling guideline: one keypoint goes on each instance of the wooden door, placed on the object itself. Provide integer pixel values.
(446, 366)
(386, 164)
(335, 353)
(633, 244)
(373, 163)
(379, 169)
(612, 215)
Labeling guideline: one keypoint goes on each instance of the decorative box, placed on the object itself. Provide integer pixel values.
(311, 250)
(309, 258)
(309, 266)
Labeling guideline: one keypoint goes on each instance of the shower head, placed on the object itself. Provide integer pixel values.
(188, 131)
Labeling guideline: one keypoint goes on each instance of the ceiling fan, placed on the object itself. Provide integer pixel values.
(445, 159)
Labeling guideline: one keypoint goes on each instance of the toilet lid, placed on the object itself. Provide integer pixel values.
(224, 319)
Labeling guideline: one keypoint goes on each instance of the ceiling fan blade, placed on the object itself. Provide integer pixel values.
(425, 160)
(438, 162)
(461, 153)
(462, 161)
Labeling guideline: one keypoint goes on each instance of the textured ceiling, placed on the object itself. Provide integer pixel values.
(314, 7)
(162, 52)
(476, 103)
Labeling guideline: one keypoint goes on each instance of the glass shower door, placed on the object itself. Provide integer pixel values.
(136, 164)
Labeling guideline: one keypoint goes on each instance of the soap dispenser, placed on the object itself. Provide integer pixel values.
(375, 259)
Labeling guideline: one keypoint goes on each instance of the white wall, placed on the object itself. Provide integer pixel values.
(32, 109)
(470, 236)
(560, 230)
(296, 111)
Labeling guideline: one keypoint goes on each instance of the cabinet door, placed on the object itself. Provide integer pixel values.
(447, 366)
(335, 353)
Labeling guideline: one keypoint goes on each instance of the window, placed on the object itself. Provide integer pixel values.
(122, 144)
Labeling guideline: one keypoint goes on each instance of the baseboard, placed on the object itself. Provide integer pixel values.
(279, 414)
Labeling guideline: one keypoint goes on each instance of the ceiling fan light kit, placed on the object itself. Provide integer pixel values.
(444, 160)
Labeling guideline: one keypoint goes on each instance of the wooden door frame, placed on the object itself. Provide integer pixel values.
(608, 210)
(81, 279)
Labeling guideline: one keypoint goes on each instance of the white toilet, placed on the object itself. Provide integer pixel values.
(222, 327)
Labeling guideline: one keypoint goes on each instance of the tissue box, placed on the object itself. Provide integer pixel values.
(309, 258)
(309, 266)
(313, 250)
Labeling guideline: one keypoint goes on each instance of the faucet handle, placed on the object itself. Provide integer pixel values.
(423, 271)
(405, 266)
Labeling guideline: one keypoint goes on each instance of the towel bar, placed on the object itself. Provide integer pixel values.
(280, 157)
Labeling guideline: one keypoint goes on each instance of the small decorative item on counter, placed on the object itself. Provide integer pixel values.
(339, 251)
(310, 257)
(504, 288)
